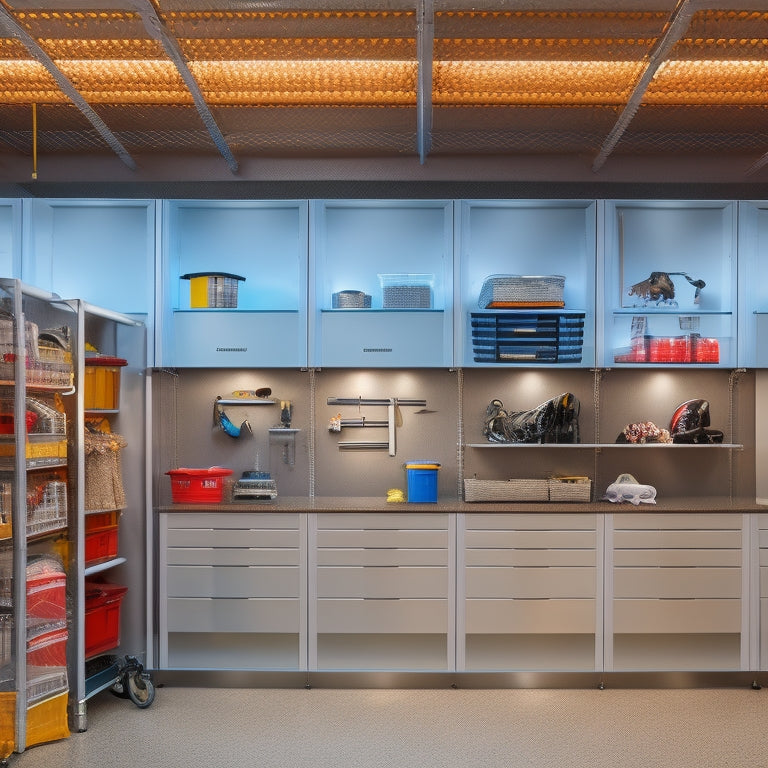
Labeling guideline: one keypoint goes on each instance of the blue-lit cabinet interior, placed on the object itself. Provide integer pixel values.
(101, 251)
(534, 239)
(382, 276)
(261, 248)
(753, 275)
(670, 284)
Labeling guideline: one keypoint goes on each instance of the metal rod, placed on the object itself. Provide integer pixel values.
(377, 401)
(363, 444)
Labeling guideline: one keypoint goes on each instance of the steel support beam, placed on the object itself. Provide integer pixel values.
(678, 23)
(8, 21)
(425, 44)
(158, 31)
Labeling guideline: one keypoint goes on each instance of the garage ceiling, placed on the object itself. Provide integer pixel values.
(126, 88)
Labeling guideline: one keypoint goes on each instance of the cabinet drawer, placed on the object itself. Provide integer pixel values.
(676, 616)
(237, 339)
(690, 539)
(762, 521)
(395, 338)
(677, 582)
(386, 557)
(476, 521)
(364, 521)
(230, 556)
(232, 615)
(530, 617)
(762, 539)
(531, 557)
(763, 579)
(531, 539)
(382, 616)
(671, 521)
(380, 538)
(531, 582)
(224, 581)
(236, 520)
(247, 537)
(383, 582)
(678, 558)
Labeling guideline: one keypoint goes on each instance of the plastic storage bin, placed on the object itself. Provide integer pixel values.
(198, 486)
(101, 389)
(102, 616)
(101, 536)
(46, 593)
(212, 289)
(422, 481)
(47, 650)
(406, 291)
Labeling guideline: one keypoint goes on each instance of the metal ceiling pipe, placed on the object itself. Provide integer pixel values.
(158, 31)
(678, 23)
(13, 28)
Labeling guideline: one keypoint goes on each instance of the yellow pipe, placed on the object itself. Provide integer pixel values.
(34, 140)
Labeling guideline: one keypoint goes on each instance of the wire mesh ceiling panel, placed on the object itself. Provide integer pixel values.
(342, 79)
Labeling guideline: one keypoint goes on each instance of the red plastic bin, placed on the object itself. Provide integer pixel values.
(48, 649)
(198, 486)
(101, 536)
(102, 616)
(47, 599)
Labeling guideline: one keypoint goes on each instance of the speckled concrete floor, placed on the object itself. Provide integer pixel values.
(257, 728)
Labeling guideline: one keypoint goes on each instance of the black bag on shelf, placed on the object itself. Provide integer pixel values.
(554, 421)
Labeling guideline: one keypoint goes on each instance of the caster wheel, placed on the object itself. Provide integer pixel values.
(141, 690)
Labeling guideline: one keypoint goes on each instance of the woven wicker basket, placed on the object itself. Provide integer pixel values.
(522, 290)
(570, 489)
(506, 490)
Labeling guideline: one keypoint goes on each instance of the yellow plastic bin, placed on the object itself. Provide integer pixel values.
(101, 391)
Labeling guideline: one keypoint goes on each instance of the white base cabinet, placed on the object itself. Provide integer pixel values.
(381, 591)
(580, 592)
(678, 595)
(232, 591)
(529, 596)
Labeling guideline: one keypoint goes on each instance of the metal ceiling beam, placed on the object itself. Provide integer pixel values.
(425, 44)
(678, 23)
(159, 32)
(13, 28)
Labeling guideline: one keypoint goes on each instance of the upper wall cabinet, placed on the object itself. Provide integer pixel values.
(382, 273)
(235, 284)
(10, 238)
(753, 277)
(670, 284)
(102, 251)
(526, 283)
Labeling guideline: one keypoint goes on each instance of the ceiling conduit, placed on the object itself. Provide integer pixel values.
(425, 43)
(678, 23)
(15, 30)
(159, 32)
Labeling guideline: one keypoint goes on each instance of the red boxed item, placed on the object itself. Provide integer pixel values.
(198, 486)
(102, 616)
(101, 530)
(48, 649)
(46, 592)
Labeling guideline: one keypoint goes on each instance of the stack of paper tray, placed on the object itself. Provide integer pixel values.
(527, 337)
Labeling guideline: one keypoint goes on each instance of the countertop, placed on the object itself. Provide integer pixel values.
(376, 504)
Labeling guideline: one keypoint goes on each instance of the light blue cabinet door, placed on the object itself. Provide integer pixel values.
(10, 238)
(498, 239)
(753, 284)
(690, 244)
(101, 251)
(399, 255)
(264, 244)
